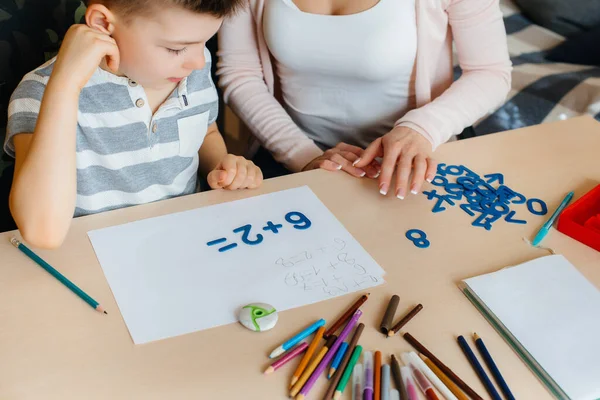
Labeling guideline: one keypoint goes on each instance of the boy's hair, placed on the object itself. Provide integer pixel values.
(216, 8)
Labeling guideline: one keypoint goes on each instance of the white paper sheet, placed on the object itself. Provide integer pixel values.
(167, 281)
(553, 311)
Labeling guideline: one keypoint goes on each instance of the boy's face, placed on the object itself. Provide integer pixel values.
(161, 49)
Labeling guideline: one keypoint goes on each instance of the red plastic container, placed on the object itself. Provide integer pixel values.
(581, 220)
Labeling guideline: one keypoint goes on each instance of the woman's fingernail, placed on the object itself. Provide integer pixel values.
(400, 194)
(377, 175)
(383, 188)
(363, 174)
(414, 190)
(338, 167)
(429, 179)
(356, 162)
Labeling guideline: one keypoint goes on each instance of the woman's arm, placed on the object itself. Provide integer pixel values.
(245, 91)
(480, 38)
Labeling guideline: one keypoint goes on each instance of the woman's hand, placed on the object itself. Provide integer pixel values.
(404, 150)
(342, 157)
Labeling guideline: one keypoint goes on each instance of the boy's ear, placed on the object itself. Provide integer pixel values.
(100, 18)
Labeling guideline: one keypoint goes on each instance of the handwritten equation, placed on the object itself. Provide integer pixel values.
(331, 269)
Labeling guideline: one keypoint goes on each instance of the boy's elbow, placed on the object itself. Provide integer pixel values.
(38, 231)
(38, 236)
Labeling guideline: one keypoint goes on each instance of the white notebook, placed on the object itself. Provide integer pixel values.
(550, 314)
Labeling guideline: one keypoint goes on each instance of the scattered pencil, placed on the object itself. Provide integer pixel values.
(346, 315)
(307, 356)
(493, 368)
(489, 386)
(405, 320)
(296, 338)
(449, 373)
(60, 277)
(295, 352)
(343, 365)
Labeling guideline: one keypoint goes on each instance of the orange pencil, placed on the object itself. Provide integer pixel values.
(377, 378)
(309, 353)
(312, 366)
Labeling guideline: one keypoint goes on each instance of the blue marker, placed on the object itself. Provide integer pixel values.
(546, 227)
(296, 339)
(338, 359)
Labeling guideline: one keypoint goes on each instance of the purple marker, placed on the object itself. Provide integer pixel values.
(327, 359)
(368, 364)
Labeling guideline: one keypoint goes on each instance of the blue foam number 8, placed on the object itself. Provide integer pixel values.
(299, 220)
(418, 237)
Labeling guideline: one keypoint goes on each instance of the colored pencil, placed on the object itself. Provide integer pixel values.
(312, 366)
(338, 359)
(60, 277)
(493, 367)
(489, 386)
(346, 315)
(445, 380)
(347, 372)
(449, 373)
(340, 371)
(377, 379)
(294, 340)
(307, 356)
(327, 359)
(400, 324)
(290, 355)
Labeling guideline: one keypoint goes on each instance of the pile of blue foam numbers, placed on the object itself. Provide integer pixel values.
(487, 199)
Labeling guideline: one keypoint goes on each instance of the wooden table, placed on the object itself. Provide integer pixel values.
(53, 346)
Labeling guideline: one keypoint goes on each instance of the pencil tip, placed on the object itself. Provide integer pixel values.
(105, 312)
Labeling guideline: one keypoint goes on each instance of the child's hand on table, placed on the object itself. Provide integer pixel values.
(342, 157)
(234, 172)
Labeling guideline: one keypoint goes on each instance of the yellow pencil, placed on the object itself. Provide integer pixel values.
(307, 356)
(312, 366)
(445, 380)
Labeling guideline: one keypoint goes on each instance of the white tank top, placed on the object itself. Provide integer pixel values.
(344, 78)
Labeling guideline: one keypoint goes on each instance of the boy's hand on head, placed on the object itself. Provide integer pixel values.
(80, 54)
(342, 157)
(234, 173)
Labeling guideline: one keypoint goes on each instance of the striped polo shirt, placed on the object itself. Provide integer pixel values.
(125, 154)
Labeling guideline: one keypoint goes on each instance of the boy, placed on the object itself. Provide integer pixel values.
(124, 115)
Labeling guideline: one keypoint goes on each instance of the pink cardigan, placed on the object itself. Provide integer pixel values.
(444, 108)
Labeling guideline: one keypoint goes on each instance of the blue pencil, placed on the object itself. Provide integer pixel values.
(492, 366)
(60, 277)
(338, 358)
(303, 334)
(546, 227)
(478, 368)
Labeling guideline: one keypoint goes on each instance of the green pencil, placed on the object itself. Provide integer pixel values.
(347, 372)
(95, 305)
